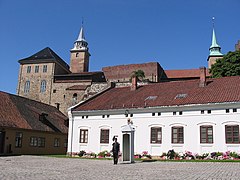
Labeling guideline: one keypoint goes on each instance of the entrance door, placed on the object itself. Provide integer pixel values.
(2, 137)
(126, 147)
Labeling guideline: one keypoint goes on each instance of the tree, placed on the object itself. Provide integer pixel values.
(229, 65)
(139, 74)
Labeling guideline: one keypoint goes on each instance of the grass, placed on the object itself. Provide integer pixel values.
(147, 160)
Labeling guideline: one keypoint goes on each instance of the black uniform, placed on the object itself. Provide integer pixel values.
(115, 150)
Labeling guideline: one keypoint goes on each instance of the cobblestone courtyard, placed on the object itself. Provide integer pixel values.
(38, 167)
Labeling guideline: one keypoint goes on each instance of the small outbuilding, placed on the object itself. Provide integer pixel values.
(31, 127)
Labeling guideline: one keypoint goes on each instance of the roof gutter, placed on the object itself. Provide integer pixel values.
(189, 107)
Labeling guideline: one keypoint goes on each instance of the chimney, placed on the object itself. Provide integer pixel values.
(202, 82)
(134, 83)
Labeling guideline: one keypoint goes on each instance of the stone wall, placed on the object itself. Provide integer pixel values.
(64, 96)
(35, 79)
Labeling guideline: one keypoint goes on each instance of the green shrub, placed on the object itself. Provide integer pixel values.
(81, 153)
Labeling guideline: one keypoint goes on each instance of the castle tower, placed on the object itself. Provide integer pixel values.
(215, 50)
(79, 61)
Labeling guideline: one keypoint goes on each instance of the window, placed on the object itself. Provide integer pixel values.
(44, 68)
(74, 98)
(180, 112)
(202, 111)
(206, 134)
(26, 87)
(56, 142)
(174, 113)
(83, 135)
(232, 134)
(131, 115)
(33, 141)
(43, 86)
(153, 114)
(177, 135)
(159, 113)
(65, 143)
(104, 137)
(28, 69)
(234, 109)
(41, 142)
(156, 135)
(209, 111)
(36, 69)
(18, 139)
(227, 111)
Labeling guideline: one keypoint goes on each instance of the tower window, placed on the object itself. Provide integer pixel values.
(74, 98)
(26, 87)
(44, 68)
(43, 86)
(77, 54)
(28, 69)
(36, 69)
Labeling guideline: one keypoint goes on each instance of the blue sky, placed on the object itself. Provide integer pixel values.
(175, 33)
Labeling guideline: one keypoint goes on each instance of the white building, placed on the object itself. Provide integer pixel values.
(194, 115)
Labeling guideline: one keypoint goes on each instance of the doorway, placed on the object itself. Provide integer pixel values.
(126, 147)
(2, 137)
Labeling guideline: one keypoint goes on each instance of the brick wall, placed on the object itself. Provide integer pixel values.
(122, 73)
(79, 61)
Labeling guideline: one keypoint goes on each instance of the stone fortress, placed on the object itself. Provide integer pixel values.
(47, 78)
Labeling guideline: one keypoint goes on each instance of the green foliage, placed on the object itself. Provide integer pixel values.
(234, 155)
(81, 153)
(104, 153)
(229, 65)
(139, 74)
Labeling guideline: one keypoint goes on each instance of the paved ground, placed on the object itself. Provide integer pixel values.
(37, 167)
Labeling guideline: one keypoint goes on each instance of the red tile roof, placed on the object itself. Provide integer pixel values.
(78, 87)
(184, 73)
(218, 90)
(20, 112)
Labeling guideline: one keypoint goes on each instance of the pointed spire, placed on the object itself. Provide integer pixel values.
(81, 43)
(215, 49)
(214, 40)
(81, 36)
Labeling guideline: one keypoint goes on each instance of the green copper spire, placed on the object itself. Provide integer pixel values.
(215, 49)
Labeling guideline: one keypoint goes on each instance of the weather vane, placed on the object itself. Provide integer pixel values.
(82, 21)
(213, 18)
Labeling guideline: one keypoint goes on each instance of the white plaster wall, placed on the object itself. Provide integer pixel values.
(190, 120)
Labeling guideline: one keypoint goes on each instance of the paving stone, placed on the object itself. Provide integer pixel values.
(39, 167)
